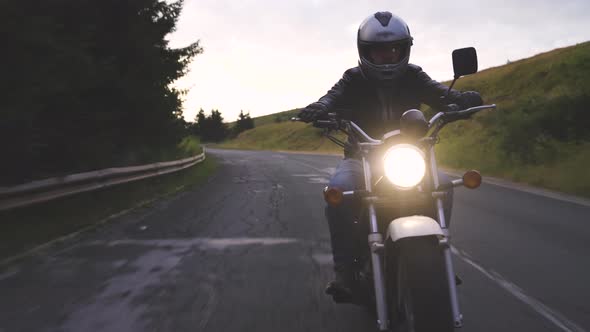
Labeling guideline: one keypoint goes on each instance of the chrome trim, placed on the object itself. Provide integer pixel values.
(370, 144)
(457, 317)
(367, 174)
(479, 108)
(457, 182)
(439, 194)
(378, 281)
(364, 135)
(438, 115)
(377, 247)
(376, 238)
(435, 118)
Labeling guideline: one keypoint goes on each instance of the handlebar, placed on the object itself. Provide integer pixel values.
(332, 123)
(326, 124)
(473, 110)
(335, 123)
(458, 115)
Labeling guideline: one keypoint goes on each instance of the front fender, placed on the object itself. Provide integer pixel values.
(413, 226)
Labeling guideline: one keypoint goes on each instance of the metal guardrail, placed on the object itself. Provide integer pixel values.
(52, 188)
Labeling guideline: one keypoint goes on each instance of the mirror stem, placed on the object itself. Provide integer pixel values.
(446, 95)
(450, 87)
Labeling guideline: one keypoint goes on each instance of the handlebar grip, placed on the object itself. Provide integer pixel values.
(325, 124)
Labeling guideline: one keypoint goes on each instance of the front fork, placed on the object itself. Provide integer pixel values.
(376, 245)
(446, 244)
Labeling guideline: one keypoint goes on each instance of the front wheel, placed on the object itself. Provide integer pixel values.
(419, 299)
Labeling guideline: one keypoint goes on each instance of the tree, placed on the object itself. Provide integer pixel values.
(212, 128)
(193, 127)
(243, 123)
(87, 83)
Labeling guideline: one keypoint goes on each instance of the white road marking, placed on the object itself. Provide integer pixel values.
(496, 182)
(330, 170)
(322, 259)
(313, 178)
(259, 191)
(528, 189)
(204, 243)
(319, 180)
(208, 309)
(324, 171)
(551, 315)
(8, 274)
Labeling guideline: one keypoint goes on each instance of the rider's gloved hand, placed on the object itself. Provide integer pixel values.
(470, 99)
(453, 114)
(313, 112)
(451, 108)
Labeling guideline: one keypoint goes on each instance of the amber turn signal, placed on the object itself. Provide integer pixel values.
(472, 179)
(333, 196)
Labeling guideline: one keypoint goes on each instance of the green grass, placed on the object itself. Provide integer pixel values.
(24, 228)
(286, 136)
(189, 146)
(538, 135)
(272, 118)
(275, 118)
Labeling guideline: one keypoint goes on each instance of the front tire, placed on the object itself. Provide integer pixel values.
(419, 299)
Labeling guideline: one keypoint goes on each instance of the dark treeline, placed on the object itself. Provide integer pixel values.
(244, 123)
(86, 84)
(211, 128)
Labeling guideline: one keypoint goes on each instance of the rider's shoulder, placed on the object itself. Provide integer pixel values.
(354, 73)
(416, 74)
(414, 69)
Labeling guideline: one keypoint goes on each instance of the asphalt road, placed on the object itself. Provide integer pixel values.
(250, 251)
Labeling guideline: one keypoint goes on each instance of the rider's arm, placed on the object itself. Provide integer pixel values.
(431, 91)
(339, 96)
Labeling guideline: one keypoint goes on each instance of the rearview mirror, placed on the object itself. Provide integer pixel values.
(464, 61)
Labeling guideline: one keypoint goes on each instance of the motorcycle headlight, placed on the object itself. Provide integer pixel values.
(405, 166)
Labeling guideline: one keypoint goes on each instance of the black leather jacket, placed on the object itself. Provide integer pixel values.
(378, 109)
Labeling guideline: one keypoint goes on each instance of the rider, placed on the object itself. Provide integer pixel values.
(374, 95)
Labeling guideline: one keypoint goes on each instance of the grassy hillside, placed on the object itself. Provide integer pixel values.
(271, 118)
(538, 135)
(275, 118)
(285, 135)
(540, 132)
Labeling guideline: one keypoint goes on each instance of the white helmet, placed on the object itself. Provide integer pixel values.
(384, 43)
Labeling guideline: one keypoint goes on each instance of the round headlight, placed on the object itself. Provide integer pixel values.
(404, 165)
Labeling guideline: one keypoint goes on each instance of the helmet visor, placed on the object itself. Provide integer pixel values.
(385, 53)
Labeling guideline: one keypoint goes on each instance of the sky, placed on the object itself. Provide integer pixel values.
(268, 56)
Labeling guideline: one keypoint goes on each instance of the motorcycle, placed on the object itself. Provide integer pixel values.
(407, 265)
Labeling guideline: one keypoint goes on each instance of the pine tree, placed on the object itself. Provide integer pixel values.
(87, 83)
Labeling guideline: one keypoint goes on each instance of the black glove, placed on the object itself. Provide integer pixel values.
(452, 113)
(470, 99)
(452, 108)
(313, 112)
